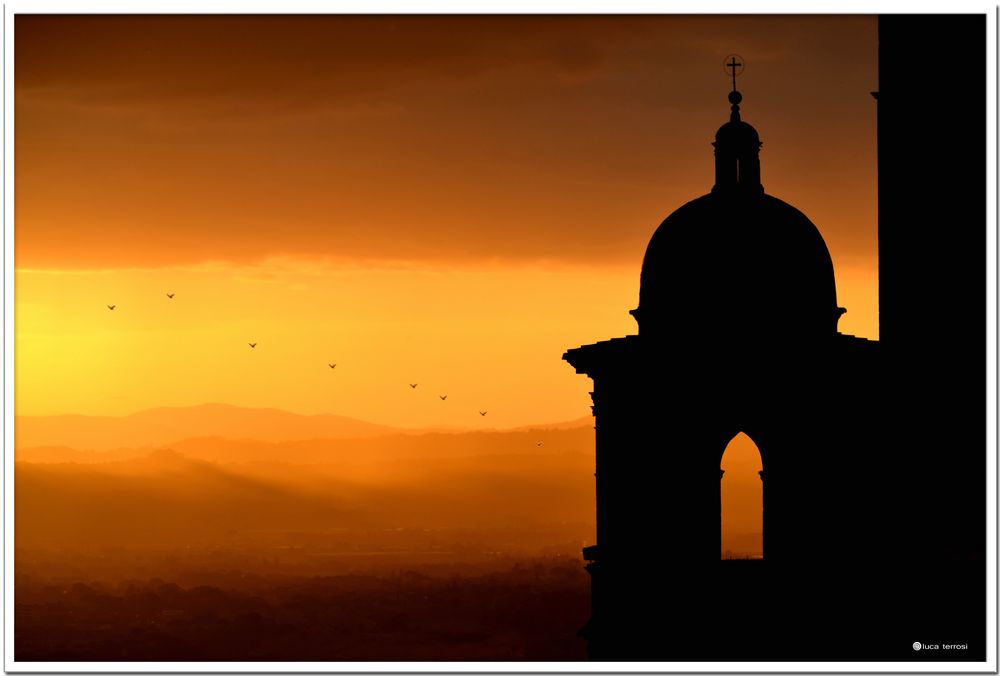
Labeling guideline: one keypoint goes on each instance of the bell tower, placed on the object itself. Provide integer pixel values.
(736, 286)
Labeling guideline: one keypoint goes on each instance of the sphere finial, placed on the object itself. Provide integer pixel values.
(733, 65)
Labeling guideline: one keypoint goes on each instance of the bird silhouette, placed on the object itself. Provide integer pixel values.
(252, 344)
(111, 307)
(413, 385)
(170, 295)
(443, 396)
(538, 444)
(333, 366)
(482, 413)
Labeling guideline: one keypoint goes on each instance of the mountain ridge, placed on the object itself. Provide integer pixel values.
(169, 424)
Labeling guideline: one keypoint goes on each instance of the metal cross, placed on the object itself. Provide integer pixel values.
(734, 64)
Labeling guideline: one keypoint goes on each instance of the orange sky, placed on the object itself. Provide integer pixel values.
(451, 201)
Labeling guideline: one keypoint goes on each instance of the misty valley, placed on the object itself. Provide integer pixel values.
(396, 547)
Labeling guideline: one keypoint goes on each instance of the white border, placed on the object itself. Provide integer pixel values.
(991, 337)
(499, 7)
(8, 338)
(495, 7)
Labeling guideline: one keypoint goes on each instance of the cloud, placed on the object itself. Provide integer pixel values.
(292, 61)
(166, 140)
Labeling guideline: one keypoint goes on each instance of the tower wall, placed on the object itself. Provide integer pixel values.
(932, 271)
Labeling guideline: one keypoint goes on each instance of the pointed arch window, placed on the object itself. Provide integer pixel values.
(742, 496)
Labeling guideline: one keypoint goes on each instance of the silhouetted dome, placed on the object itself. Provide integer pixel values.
(737, 263)
(737, 266)
(738, 132)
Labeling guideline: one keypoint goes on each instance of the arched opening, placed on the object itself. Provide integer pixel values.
(742, 494)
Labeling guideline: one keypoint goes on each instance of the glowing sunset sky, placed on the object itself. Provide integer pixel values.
(449, 201)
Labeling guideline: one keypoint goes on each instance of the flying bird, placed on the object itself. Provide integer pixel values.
(111, 307)
(252, 344)
(413, 385)
(538, 444)
(333, 366)
(482, 413)
(443, 396)
(170, 295)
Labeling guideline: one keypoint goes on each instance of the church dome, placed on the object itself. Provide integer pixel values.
(737, 263)
(738, 133)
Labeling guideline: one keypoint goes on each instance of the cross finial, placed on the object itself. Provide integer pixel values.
(734, 61)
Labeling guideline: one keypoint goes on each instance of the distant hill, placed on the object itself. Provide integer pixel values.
(586, 421)
(160, 426)
(345, 454)
(500, 489)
